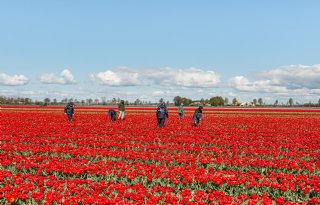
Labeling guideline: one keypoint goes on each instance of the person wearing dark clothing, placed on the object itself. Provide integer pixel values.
(197, 116)
(69, 110)
(162, 114)
(121, 109)
(112, 114)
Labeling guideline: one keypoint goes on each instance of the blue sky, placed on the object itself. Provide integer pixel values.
(153, 49)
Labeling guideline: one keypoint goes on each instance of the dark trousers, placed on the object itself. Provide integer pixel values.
(70, 117)
(160, 122)
(196, 121)
(113, 117)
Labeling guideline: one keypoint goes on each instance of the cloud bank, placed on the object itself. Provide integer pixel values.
(294, 76)
(189, 78)
(13, 80)
(299, 81)
(282, 80)
(66, 77)
(119, 77)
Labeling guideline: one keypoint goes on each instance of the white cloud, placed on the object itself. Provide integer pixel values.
(293, 76)
(13, 80)
(121, 77)
(297, 81)
(242, 84)
(282, 80)
(66, 77)
(191, 77)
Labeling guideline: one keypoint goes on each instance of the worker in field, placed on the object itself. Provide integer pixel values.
(197, 116)
(121, 109)
(181, 111)
(69, 110)
(162, 114)
(112, 114)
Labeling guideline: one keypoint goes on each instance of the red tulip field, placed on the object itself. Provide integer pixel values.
(236, 156)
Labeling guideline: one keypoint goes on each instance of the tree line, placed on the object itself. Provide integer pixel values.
(177, 100)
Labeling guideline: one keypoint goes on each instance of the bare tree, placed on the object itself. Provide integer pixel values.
(254, 101)
(137, 102)
(235, 101)
(47, 101)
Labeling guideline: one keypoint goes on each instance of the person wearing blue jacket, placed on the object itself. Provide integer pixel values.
(69, 111)
(162, 114)
(112, 114)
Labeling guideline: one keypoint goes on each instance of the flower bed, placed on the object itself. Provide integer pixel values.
(233, 157)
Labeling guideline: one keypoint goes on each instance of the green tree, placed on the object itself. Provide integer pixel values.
(216, 101)
(226, 101)
(276, 103)
(186, 101)
(290, 101)
(177, 100)
(260, 101)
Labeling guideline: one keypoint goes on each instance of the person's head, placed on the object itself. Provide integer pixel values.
(181, 104)
(122, 101)
(200, 107)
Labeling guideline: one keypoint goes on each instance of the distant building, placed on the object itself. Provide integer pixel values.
(196, 103)
(247, 104)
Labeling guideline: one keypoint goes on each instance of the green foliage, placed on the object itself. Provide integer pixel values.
(290, 101)
(216, 101)
(178, 100)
